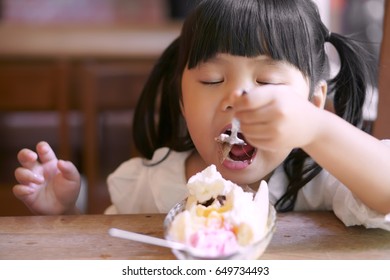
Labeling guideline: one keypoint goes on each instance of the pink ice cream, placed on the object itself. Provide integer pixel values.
(215, 242)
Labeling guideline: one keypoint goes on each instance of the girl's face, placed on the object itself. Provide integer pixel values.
(209, 93)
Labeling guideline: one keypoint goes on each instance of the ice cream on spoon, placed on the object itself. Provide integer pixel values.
(228, 141)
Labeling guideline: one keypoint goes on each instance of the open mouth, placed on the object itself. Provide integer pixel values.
(242, 152)
(237, 152)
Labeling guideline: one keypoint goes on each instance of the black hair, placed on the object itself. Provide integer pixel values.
(285, 30)
(160, 100)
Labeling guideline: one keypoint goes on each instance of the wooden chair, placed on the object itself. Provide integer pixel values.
(37, 85)
(381, 127)
(106, 86)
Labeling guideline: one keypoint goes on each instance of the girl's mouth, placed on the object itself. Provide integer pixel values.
(236, 156)
(242, 152)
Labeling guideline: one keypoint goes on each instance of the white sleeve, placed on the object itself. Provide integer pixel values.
(325, 192)
(111, 210)
(353, 212)
(129, 189)
(154, 186)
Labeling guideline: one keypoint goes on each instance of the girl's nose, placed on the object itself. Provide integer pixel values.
(229, 100)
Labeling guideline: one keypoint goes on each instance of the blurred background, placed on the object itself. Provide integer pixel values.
(71, 72)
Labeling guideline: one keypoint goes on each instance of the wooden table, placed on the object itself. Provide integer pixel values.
(305, 235)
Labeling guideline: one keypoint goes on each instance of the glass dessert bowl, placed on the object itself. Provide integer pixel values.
(251, 251)
(220, 219)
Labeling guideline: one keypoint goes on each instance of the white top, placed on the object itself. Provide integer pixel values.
(138, 186)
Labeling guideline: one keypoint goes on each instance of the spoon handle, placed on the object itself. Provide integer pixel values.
(115, 232)
(235, 128)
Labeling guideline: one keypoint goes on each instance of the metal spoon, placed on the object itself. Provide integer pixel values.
(228, 141)
(232, 139)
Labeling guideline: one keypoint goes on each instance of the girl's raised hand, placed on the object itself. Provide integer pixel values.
(47, 186)
(275, 117)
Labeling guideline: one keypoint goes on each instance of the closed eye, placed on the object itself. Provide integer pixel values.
(263, 83)
(211, 82)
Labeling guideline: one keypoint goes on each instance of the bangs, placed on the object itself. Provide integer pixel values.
(247, 28)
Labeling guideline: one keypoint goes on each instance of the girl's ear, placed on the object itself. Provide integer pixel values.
(319, 96)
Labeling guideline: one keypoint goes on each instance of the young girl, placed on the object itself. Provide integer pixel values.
(263, 63)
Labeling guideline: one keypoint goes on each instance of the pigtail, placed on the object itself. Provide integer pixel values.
(349, 86)
(148, 135)
(299, 169)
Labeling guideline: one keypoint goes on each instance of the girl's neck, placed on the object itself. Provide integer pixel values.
(194, 164)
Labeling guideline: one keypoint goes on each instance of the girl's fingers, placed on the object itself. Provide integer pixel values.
(26, 176)
(28, 158)
(261, 115)
(21, 191)
(45, 152)
(256, 98)
(68, 170)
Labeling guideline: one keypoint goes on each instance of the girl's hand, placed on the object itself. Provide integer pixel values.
(47, 186)
(275, 117)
